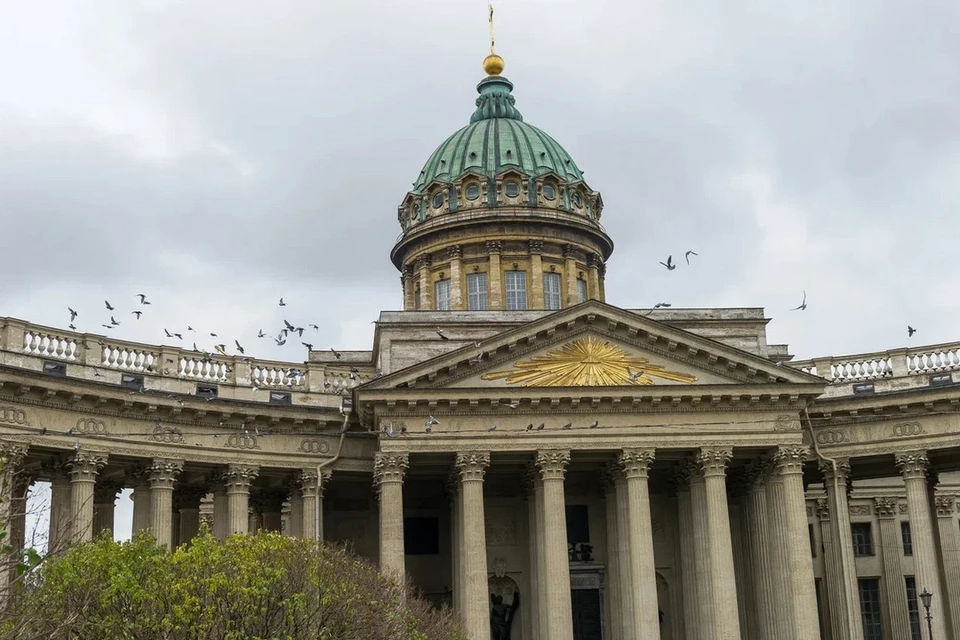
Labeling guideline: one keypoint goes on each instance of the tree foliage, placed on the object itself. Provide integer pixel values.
(263, 587)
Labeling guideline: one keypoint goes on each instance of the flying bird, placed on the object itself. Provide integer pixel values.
(299, 330)
(221, 349)
(336, 353)
(109, 306)
(289, 326)
(189, 328)
(688, 254)
(143, 298)
(441, 334)
(432, 421)
(169, 335)
(261, 334)
(136, 313)
(72, 328)
(314, 327)
(213, 335)
(73, 314)
(178, 336)
(307, 345)
(107, 326)
(239, 348)
(803, 304)
(282, 303)
(669, 263)
(662, 305)
(114, 322)
(280, 342)
(596, 423)
(910, 331)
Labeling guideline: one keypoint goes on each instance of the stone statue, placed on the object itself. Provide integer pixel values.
(501, 616)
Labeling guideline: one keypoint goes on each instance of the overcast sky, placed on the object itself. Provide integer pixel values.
(218, 155)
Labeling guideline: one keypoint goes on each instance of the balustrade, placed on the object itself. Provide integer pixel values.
(895, 363)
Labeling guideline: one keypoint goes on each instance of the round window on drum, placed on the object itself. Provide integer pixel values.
(511, 189)
(549, 191)
(472, 191)
(438, 200)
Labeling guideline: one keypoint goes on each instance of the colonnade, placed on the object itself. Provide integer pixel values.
(776, 528)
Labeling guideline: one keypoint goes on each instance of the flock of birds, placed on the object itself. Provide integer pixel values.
(285, 333)
(389, 431)
(670, 266)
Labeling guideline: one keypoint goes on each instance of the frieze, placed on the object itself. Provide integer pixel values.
(242, 441)
(831, 437)
(314, 446)
(860, 509)
(166, 434)
(14, 415)
(907, 429)
(90, 426)
(787, 423)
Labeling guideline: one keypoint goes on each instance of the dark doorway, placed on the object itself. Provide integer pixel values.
(586, 614)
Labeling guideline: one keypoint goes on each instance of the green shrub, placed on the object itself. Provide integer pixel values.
(264, 587)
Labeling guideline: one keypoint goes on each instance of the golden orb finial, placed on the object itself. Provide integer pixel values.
(493, 65)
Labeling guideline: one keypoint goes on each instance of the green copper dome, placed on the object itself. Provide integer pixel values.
(497, 139)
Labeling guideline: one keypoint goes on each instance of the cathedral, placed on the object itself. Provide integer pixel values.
(549, 465)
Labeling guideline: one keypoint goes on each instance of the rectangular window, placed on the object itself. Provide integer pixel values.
(870, 608)
(516, 290)
(421, 536)
(441, 292)
(581, 290)
(477, 291)
(862, 539)
(907, 539)
(913, 608)
(551, 291)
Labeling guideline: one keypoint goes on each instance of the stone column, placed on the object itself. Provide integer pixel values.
(84, 467)
(456, 546)
(22, 482)
(779, 555)
(646, 622)
(842, 591)
(688, 578)
(295, 518)
(141, 499)
(891, 548)
(476, 615)
(59, 532)
(408, 279)
(163, 474)
(950, 552)
(388, 472)
(702, 592)
(254, 511)
(494, 277)
(570, 276)
(426, 284)
(538, 541)
(914, 466)
(601, 280)
(237, 481)
(713, 461)
(536, 274)
(189, 499)
(455, 254)
(593, 274)
(11, 457)
(104, 506)
(624, 557)
(788, 463)
(612, 598)
(559, 619)
(762, 566)
(742, 560)
(311, 505)
(221, 513)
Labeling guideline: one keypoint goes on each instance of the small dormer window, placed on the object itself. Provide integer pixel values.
(472, 191)
(438, 200)
(511, 189)
(549, 191)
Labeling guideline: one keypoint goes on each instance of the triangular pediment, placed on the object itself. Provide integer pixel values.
(592, 345)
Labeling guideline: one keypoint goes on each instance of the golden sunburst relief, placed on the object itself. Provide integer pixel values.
(586, 362)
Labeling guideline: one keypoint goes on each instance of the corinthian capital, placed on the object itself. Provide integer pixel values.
(472, 466)
(790, 459)
(713, 460)
(12, 454)
(238, 477)
(163, 472)
(885, 507)
(552, 463)
(913, 464)
(636, 462)
(85, 465)
(389, 467)
(944, 505)
(842, 471)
